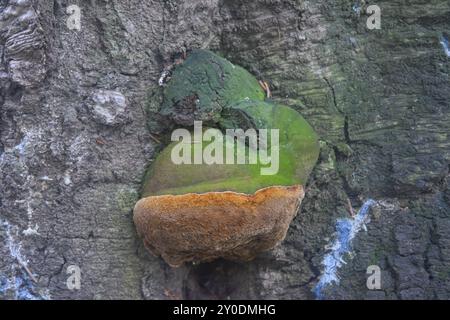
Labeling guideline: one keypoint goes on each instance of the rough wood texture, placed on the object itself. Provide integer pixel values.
(378, 99)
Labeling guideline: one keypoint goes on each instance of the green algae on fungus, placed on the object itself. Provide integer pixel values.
(203, 85)
(202, 210)
(298, 152)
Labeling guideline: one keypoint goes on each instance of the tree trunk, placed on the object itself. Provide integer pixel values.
(70, 171)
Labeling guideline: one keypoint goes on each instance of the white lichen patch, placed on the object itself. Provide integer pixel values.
(31, 140)
(108, 107)
(67, 178)
(163, 77)
(21, 282)
(445, 44)
(79, 148)
(346, 230)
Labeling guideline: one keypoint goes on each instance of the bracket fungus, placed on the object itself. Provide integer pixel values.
(199, 211)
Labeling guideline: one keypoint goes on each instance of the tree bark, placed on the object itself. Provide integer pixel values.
(70, 172)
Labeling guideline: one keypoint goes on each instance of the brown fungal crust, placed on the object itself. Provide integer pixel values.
(203, 227)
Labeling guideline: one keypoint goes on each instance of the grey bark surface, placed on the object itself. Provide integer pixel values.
(74, 143)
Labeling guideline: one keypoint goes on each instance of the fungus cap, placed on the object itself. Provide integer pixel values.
(204, 227)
